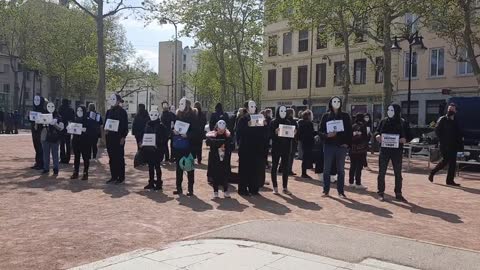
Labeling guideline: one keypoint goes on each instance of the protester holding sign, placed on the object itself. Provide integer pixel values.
(282, 133)
(391, 135)
(167, 118)
(95, 122)
(81, 142)
(116, 130)
(219, 140)
(152, 149)
(38, 108)
(358, 151)
(336, 132)
(306, 135)
(139, 123)
(50, 137)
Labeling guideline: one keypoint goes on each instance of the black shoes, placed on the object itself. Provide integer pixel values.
(306, 176)
(149, 186)
(453, 184)
(190, 193)
(342, 195)
(244, 193)
(120, 181)
(45, 172)
(74, 176)
(177, 192)
(381, 197)
(325, 194)
(157, 188)
(430, 178)
(55, 172)
(85, 177)
(400, 198)
(111, 181)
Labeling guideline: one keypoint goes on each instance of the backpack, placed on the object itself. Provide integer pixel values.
(186, 163)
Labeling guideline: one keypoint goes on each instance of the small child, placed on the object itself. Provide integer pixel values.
(219, 142)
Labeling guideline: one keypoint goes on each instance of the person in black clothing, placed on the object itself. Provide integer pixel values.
(185, 114)
(2, 119)
(306, 135)
(95, 122)
(281, 147)
(219, 141)
(154, 154)
(336, 144)
(115, 140)
(251, 138)
(268, 119)
(81, 144)
(167, 119)
(391, 127)
(139, 123)
(39, 107)
(198, 140)
(50, 137)
(68, 115)
(358, 151)
(451, 142)
(218, 115)
(369, 126)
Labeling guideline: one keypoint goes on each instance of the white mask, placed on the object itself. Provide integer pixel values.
(390, 112)
(282, 112)
(165, 105)
(366, 119)
(79, 112)
(36, 100)
(154, 115)
(172, 109)
(182, 104)
(252, 107)
(221, 125)
(50, 107)
(112, 100)
(336, 103)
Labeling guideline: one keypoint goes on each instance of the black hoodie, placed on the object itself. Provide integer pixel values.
(66, 112)
(217, 116)
(280, 144)
(41, 109)
(344, 137)
(162, 134)
(392, 125)
(84, 138)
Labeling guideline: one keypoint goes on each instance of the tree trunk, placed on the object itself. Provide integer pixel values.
(467, 39)
(101, 96)
(346, 72)
(22, 94)
(242, 66)
(16, 87)
(223, 76)
(387, 62)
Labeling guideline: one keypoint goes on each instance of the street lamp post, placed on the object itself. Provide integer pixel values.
(414, 40)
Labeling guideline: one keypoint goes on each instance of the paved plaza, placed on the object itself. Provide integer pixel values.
(58, 223)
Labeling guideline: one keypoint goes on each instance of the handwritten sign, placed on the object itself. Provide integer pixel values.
(149, 139)
(181, 127)
(286, 131)
(33, 116)
(335, 126)
(390, 140)
(44, 119)
(75, 128)
(112, 125)
(256, 120)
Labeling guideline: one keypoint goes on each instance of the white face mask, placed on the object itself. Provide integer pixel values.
(390, 112)
(36, 100)
(221, 125)
(336, 103)
(50, 107)
(79, 112)
(366, 119)
(112, 100)
(252, 107)
(172, 108)
(154, 115)
(282, 112)
(182, 104)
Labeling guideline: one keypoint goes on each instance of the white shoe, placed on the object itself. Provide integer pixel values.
(352, 185)
(226, 194)
(286, 192)
(361, 187)
(215, 195)
(275, 190)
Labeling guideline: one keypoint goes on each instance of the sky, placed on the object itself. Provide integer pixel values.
(145, 39)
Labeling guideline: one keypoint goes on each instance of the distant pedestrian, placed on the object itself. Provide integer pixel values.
(168, 120)
(67, 114)
(358, 151)
(96, 122)
(139, 123)
(306, 135)
(200, 136)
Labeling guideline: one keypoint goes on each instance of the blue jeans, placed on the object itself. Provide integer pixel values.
(47, 148)
(334, 153)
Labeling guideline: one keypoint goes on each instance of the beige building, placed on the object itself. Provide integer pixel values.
(166, 70)
(296, 64)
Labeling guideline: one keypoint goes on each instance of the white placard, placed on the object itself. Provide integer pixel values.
(390, 140)
(181, 127)
(112, 125)
(33, 116)
(149, 139)
(286, 131)
(44, 118)
(92, 115)
(335, 126)
(368, 130)
(75, 128)
(256, 120)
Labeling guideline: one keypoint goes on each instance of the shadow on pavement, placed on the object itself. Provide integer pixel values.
(267, 205)
(232, 205)
(356, 205)
(301, 203)
(195, 203)
(159, 197)
(416, 209)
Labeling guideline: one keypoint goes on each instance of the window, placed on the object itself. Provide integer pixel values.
(379, 70)
(26, 95)
(6, 88)
(463, 66)
(411, 22)
(354, 109)
(406, 69)
(380, 29)
(318, 112)
(413, 111)
(286, 78)
(272, 80)
(339, 41)
(360, 74)
(338, 73)
(321, 38)
(184, 57)
(321, 75)
(5, 68)
(437, 62)
(287, 43)
(433, 110)
(360, 29)
(184, 66)
(272, 45)
(302, 77)
(303, 41)
(377, 113)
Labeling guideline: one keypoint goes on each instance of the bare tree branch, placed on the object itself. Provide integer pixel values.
(83, 8)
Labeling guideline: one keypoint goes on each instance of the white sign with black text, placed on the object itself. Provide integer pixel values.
(75, 128)
(149, 139)
(112, 125)
(335, 126)
(181, 127)
(286, 131)
(390, 140)
(44, 118)
(256, 120)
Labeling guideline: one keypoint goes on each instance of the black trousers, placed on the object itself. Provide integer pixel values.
(357, 161)
(166, 153)
(284, 169)
(116, 154)
(65, 148)
(94, 143)
(37, 145)
(395, 155)
(252, 172)
(197, 150)
(450, 159)
(154, 167)
(83, 150)
(179, 173)
(307, 160)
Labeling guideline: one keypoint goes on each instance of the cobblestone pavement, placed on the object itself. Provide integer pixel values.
(58, 223)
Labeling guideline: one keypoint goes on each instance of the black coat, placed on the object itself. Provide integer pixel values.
(117, 113)
(360, 142)
(306, 134)
(84, 140)
(192, 132)
(162, 133)
(449, 134)
(252, 140)
(280, 145)
(344, 137)
(139, 123)
(67, 114)
(216, 168)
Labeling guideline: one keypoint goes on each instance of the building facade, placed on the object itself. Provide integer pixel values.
(170, 60)
(189, 68)
(298, 65)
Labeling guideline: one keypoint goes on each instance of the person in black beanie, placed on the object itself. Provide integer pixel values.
(358, 151)
(38, 107)
(116, 131)
(68, 115)
(139, 123)
(167, 119)
(81, 144)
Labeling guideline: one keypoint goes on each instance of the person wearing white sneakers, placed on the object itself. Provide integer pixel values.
(358, 151)
(219, 141)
